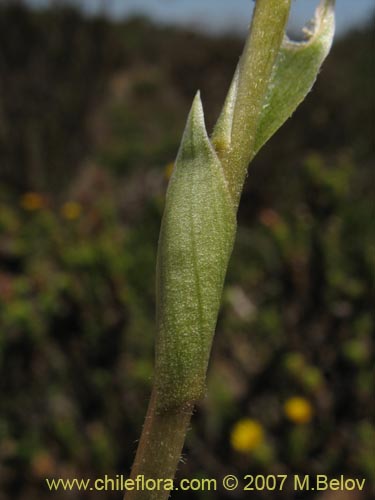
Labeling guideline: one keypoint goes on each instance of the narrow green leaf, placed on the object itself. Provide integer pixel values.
(222, 134)
(235, 133)
(295, 72)
(196, 240)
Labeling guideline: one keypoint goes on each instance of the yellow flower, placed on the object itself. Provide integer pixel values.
(71, 210)
(246, 435)
(298, 410)
(168, 170)
(32, 201)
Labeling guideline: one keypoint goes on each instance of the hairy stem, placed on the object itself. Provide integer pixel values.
(185, 326)
(160, 447)
(255, 71)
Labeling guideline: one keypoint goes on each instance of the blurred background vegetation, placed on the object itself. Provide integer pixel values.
(91, 114)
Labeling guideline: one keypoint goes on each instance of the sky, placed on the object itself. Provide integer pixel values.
(223, 15)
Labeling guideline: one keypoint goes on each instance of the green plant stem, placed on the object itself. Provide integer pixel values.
(255, 71)
(160, 447)
(164, 430)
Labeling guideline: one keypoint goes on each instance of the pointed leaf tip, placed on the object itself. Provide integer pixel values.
(195, 142)
(196, 115)
(222, 134)
(195, 128)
